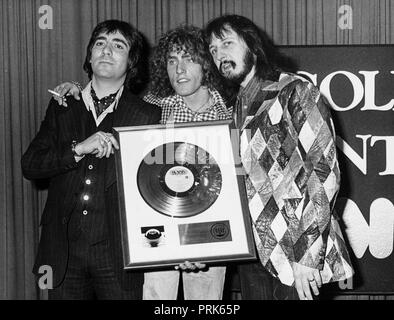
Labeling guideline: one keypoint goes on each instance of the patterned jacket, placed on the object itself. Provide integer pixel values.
(292, 179)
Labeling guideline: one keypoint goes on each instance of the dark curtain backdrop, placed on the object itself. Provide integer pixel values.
(34, 59)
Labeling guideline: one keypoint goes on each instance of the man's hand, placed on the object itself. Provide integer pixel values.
(190, 266)
(65, 89)
(101, 144)
(306, 278)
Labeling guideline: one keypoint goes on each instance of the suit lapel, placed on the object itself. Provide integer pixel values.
(78, 120)
(123, 116)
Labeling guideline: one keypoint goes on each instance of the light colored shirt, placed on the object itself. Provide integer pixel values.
(88, 100)
(174, 109)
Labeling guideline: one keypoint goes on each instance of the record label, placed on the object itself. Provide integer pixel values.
(179, 179)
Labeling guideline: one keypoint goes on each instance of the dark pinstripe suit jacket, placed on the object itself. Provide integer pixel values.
(49, 156)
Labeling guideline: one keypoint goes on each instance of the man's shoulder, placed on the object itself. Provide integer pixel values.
(139, 104)
(72, 104)
(134, 99)
(296, 89)
(287, 79)
(153, 99)
(294, 80)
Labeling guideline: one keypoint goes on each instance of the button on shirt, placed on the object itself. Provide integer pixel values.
(88, 215)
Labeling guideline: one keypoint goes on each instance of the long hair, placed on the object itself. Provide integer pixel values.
(184, 38)
(135, 40)
(269, 62)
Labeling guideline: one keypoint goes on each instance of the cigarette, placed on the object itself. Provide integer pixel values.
(54, 92)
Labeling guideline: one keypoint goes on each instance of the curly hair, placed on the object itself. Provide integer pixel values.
(183, 38)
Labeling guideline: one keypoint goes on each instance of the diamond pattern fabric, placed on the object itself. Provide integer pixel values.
(292, 179)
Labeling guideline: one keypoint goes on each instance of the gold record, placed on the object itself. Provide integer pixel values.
(179, 179)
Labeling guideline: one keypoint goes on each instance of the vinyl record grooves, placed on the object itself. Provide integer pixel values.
(179, 179)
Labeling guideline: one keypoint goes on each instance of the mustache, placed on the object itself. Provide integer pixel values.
(232, 63)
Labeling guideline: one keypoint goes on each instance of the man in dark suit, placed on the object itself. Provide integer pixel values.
(80, 238)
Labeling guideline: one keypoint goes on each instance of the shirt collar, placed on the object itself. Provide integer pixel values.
(87, 98)
(251, 89)
(177, 101)
(217, 98)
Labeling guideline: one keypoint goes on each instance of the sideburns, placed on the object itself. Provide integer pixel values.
(249, 61)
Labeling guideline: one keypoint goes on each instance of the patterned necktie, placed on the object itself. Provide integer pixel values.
(101, 104)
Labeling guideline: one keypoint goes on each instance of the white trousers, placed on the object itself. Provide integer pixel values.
(202, 285)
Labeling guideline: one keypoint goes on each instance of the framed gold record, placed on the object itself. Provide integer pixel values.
(181, 195)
